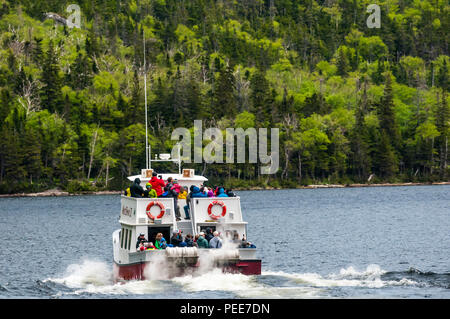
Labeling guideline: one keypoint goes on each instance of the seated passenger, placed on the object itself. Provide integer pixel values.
(150, 193)
(197, 193)
(127, 192)
(136, 189)
(149, 246)
(201, 241)
(160, 242)
(189, 241)
(230, 193)
(141, 239)
(209, 192)
(247, 244)
(182, 244)
(176, 238)
(216, 241)
(182, 194)
(221, 193)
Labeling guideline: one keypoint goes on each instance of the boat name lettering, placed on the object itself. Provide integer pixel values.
(126, 211)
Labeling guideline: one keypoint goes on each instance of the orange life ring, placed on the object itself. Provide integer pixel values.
(220, 203)
(149, 206)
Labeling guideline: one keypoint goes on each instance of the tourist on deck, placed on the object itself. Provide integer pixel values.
(235, 239)
(168, 185)
(210, 193)
(176, 238)
(183, 193)
(141, 239)
(246, 244)
(188, 202)
(201, 241)
(136, 189)
(221, 193)
(230, 193)
(150, 192)
(189, 241)
(197, 193)
(160, 242)
(157, 184)
(149, 246)
(216, 241)
(209, 234)
(196, 240)
(176, 187)
(173, 191)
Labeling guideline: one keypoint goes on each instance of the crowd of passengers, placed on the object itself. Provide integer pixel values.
(209, 239)
(156, 187)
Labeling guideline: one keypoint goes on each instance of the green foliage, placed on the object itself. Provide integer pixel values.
(349, 101)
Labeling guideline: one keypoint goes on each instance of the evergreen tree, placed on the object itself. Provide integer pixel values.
(389, 141)
(51, 91)
(361, 162)
(342, 64)
(386, 113)
(261, 98)
(443, 127)
(224, 95)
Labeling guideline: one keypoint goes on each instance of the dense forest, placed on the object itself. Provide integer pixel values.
(352, 103)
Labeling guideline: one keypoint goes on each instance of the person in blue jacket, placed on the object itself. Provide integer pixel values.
(197, 193)
(221, 193)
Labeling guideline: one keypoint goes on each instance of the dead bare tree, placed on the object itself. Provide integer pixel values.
(29, 95)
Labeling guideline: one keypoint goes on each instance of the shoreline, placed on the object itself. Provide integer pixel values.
(57, 192)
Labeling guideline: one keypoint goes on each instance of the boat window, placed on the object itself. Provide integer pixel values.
(121, 238)
(129, 239)
(126, 238)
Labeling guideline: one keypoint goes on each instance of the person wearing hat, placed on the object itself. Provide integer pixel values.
(150, 192)
(136, 189)
(201, 241)
(141, 239)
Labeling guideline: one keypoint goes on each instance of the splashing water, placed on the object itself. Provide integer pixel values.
(95, 277)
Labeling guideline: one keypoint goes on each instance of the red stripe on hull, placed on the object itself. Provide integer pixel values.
(136, 271)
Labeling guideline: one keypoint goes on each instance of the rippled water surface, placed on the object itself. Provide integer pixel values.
(377, 242)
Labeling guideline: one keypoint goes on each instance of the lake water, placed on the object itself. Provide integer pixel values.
(372, 242)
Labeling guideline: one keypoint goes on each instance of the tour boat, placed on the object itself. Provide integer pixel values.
(150, 216)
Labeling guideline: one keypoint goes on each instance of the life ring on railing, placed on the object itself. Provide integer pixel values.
(161, 207)
(220, 203)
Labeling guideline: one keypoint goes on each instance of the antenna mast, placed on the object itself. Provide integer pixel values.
(145, 99)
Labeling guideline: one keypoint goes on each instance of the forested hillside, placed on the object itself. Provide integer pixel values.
(350, 101)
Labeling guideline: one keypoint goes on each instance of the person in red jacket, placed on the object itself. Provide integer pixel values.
(157, 184)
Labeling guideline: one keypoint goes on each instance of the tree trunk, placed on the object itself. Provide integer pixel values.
(92, 153)
(107, 173)
(299, 167)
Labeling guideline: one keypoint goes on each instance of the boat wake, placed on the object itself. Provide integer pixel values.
(96, 277)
